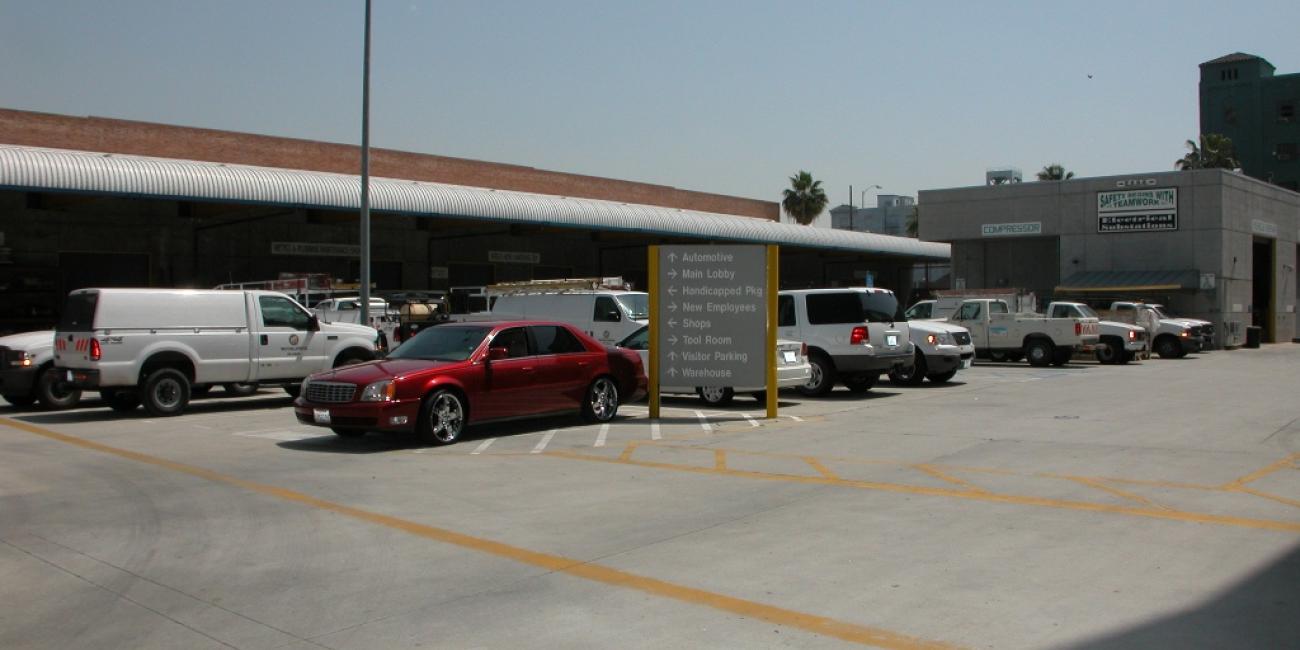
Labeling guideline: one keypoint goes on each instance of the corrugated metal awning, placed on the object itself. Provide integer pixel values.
(33, 169)
(1130, 281)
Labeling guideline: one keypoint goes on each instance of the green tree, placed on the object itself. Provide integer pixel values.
(1215, 151)
(805, 199)
(914, 222)
(1054, 172)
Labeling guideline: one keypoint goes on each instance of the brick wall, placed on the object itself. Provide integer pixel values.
(147, 139)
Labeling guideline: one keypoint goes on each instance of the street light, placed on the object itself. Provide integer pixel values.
(365, 177)
(864, 194)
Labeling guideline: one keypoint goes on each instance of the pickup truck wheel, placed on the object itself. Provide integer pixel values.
(1107, 353)
(122, 401)
(909, 376)
(860, 383)
(166, 392)
(715, 395)
(943, 377)
(53, 392)
(22, 401)
(1039, 353)
(293, 390)
(239, 390)
(1168, 347)
(821, 379)
(443, 419)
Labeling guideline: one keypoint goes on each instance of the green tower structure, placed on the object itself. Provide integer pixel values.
(1242, 98)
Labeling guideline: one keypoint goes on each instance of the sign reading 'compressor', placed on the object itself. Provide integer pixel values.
(1138, 210)
(712, 311)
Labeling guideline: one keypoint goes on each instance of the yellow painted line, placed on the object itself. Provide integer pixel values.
(1266, 495)
(719, 459)
(851, 632)
(821, 469)
(935, 472)
(1263, 471)
(992, 497)
(628, 451)
(1094, 483)
(1162, 484)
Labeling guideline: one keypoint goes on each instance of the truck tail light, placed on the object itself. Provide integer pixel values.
(95, 351)
(1078, 329)
(803, 350)
(931, 339)
(859, 335)
(1132, 335)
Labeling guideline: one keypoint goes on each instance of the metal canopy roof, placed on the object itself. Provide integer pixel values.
(35, 169)
(1130, 281)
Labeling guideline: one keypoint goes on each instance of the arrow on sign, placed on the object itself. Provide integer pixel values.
(672, 323)
(672, 356)
(673, 339)
(672, 257)
(672, 306)
(672, 291)
(672, 372)
(672, 273)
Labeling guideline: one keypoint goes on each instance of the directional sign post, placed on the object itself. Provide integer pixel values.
(711, 315)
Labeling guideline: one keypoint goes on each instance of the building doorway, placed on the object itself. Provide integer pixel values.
(1261, 300)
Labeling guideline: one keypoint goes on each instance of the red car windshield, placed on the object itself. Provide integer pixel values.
(442, 343)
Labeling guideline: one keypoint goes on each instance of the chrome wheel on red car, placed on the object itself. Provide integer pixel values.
(601, 404)
(444, 418)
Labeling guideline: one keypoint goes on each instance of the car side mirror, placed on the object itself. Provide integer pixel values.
(497, 353)
(613, 315)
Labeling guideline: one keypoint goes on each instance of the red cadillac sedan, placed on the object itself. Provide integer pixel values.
(457, 374)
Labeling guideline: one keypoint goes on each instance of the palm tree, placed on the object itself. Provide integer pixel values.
(914, 222)
(1054, 172)
(1215, 152)
(805, 199)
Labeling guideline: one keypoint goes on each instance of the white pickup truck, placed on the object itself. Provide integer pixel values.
(1120, 342)
(1001, 335)
(27, 373)
(1171, 337)
(157, 345)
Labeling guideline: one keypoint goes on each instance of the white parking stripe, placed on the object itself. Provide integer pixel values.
(795, 418)
(281, 435)
(600, 437)
(654, 431)
(750, 418)
(546, 440)
(704, 422)
(482, 447)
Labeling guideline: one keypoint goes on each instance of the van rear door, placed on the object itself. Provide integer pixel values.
(76, 331)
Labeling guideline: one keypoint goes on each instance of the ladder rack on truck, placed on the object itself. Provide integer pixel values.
(563, 285)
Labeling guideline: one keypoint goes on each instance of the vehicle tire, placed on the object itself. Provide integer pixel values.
(21, 401)
(122, 401)
(943, 377)
(293, 390)
(1107, 353)
(998, 355)
(912, 376)
(715, 395)
(1039, 353)
(54, 393)
(822, 377)
(860, 383)
(239, 390)
(601, 402)
(199, 391)
(1168, 347)
(442, 419)
(348, 433)
(166, 392)
(1061, 356)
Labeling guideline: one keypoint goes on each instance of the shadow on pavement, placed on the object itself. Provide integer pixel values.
(1262, 611)
(97, 411)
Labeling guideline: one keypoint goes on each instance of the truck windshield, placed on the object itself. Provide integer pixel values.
(1160, 312)
(637, 305)
(1088, 312)
(442, 343)
(79, 312)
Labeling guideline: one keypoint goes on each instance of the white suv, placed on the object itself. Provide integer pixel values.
(853, 335)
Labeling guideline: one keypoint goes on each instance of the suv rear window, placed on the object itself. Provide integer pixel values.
(79, 312)
(852, 307)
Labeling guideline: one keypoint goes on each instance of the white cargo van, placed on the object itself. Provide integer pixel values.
(608, 315)
(153, 346)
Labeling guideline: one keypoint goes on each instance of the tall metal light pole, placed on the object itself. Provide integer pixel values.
(365, 177)
(864, 194)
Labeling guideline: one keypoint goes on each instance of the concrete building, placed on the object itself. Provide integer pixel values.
(1242, 98)
(889, 217)
(1211, 244)
(97, 202)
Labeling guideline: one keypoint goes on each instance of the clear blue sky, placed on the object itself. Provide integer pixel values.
(728, 97)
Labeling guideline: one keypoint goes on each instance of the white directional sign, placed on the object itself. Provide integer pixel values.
(712, 315)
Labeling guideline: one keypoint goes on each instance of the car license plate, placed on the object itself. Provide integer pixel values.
(322, 416)
(966, 364)
(788, 356)
(891, 340)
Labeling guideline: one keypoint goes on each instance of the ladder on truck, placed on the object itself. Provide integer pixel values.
(562, 285)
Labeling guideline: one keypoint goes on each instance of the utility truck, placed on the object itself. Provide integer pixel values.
(1171, 337)
(1119, 343)
(1001, 335)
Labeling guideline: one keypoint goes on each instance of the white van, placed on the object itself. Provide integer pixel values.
(156, 345)
(607, 315)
